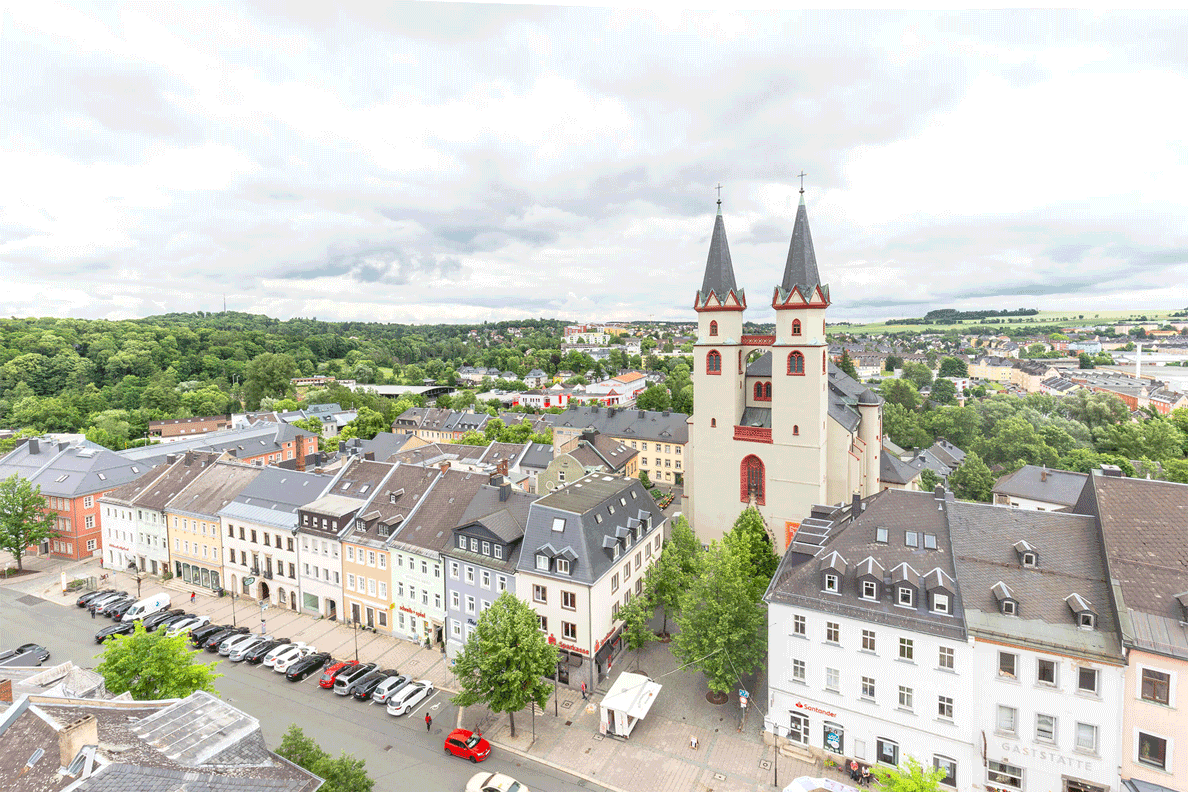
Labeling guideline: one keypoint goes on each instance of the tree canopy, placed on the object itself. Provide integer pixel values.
(153, 665)
(25, 520)
(504, 662)
(342, 774)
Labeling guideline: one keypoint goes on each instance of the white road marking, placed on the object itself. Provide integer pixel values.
(423, 703)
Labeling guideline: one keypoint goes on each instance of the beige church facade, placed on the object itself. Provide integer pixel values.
(777, 425)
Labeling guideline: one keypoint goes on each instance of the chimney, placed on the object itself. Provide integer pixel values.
(369, 456)
(34, 446)
(939, 492)
(170, 459)
(855, 507)
(342, 446)
(1113, 471)
(63, 445)
(502, 467)
(1044, 474)
(74, 735)
(504, 490)
(589, 434)
(189, 458)
(5, 691)
(444, 466)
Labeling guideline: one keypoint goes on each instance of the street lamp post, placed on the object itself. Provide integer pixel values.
(355, 629)
(136, 571)
(234, 597)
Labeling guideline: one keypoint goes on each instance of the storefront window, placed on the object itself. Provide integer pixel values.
(835, 738)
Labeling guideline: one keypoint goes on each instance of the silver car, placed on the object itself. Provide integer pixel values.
(388, 688)
(244, 649)
(233, 642)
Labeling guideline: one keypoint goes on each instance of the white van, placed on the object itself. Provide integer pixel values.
(147, 607)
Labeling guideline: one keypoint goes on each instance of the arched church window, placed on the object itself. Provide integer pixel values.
(795, 327)
(758, 390)
(767, 391)
(796, 364)
(795, 430)
(713, 422)
(713, 328)
(752, 480)
(713, 362)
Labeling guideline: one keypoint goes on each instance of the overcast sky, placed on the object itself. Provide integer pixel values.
(427, 162)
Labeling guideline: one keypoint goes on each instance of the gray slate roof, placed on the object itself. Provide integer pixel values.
(1038, 483)
(275, 495)
(586, 506)
(259, 438)
(892, 469)
(800, 270)
(1071, 561)
(68, 471)
(797, 580)
(218, 485)
(642, 424)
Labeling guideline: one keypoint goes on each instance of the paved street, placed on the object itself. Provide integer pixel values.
(399, 753)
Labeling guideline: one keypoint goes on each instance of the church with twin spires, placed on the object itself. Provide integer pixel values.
(776, 424)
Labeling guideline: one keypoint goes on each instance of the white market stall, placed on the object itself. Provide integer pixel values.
(807, 784)
(626, 703)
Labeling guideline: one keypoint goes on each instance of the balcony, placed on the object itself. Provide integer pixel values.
(752, 434)
(758, 340)
(268, 574)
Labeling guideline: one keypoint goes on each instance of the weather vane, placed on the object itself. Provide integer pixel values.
(802, 174)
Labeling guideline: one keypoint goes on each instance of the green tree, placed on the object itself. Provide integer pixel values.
(972, 480)
(368, 423)
(344, 774)
(24, 518)
(846, 364)
(268, 374)
(723, 627)
(674, 570)
(314, 425)
(901, 392)
(152, 665)
(944, 391)
(961, 426)
(928, 480)
(953, 367)
(643, 479)
(1014, 442)
(904, 427)
(893, 362)
(636, 631)
(910, 776)
(504, 662)
(918, 374)
(654, 398)
(1085, 361)
(749, 540)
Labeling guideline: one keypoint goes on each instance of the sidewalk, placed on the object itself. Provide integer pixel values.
(731, 757)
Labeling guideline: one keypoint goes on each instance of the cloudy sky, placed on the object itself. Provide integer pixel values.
(431, 162)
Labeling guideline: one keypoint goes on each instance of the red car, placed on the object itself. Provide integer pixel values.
(468, 745)
(332, 672)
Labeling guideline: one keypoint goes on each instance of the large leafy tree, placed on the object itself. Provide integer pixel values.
(917, 373)
(910, 776)
(953, 367)
(901, 392)
(846, 364)
(944, 391)
(749, 540)
(24, 520)
(153, 665)
(637, 633)
(504, 662)
(675, 569)
(344, 774)
(972, 480)
(723, 624)
(268, 374)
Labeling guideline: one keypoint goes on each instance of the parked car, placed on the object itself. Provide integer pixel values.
(211, 644)
(99, 605)
(152, 622)
(119, 628)
(198, 637)
(409, 697)
(147, 607)
(257, 653)
(286, 659)
(307, 665)
(332, 671)
(94, 602)
(90, 595)
(468, 745)
(185, 625)
(388, 687)
(494, 782)
(37, 650)
(233, 642)
(347, 679)
(117, 612)
(363, 689)
(270, 658)
(241, 651)
(108, 606)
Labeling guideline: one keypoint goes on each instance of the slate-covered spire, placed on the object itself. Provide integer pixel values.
(719, 272)
(800, 271)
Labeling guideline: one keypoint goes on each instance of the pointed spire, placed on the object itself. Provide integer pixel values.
(801, 268)
(719, 271)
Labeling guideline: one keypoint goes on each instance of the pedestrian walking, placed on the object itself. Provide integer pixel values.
(428, 721)
(193, 597)
(92, 613)
(585, 696)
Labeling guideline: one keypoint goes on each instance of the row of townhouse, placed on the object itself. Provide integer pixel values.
(1017, 650)
(1028, 375)
(661, 438)
(438, 424)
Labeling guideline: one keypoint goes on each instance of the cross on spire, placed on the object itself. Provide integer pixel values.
(719, 189)
(802, 174)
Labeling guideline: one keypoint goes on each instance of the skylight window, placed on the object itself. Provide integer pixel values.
(558, 523)
(101, 476)
(911, 539)
(929, 541)
(881, 535)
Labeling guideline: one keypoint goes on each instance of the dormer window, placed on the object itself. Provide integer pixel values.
(832, 583)
(616, 552)
(392, 498)
(598, 518)
(1028, 555)
(542, 562)
(870, 589)
(562, 566)
(940, 603)
(1007, 604)
(461, 542)
(1087, 621)
(1029, 560)
(905, 595)
(1009, 608)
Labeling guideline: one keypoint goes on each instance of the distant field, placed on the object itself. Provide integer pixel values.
(1042, 318)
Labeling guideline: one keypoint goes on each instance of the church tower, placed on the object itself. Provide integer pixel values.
(759, 435)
